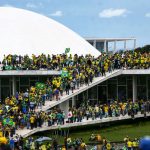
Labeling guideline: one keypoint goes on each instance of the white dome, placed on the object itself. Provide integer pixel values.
(25, 32)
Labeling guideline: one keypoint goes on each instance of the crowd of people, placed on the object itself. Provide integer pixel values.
(98, 143)
(126, 59)
(14, 119)
(20, 110)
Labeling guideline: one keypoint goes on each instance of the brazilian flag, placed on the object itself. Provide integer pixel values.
(8, 121)
(40, 86)
(67, 50)
(64, 74)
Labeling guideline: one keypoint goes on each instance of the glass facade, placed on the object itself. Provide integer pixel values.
(118, 88)
(22, 84)
(142, 87)
(121, 88)
(100, 46)
(148, 84)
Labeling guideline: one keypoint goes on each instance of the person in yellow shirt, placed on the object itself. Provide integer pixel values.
(129, 144)
(108, 146)
(63, 148)
(83, 145)
(32, 120)
(43, 147)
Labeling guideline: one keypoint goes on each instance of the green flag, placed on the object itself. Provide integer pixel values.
(10, 122)
(4, 122)
(64, 73)
(40, 86)
(67, 50)
(8, 67)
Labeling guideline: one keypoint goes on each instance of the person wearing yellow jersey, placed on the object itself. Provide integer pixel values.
(43, 147)
(108, 146)
(129, 144)
(32, 120)
(83, 145)
(135, 144)
(63, 148)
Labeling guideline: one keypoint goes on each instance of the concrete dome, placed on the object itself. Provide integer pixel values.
(25, 32)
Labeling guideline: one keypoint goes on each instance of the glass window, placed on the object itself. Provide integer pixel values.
(70, 103)
(141, 92)
(100, 46)
(102, 94)
(5, 92)
(32, 83)
(129, 77)
(122, 93)
(129, 89)
(112, 91)
(112, 81)
(42, 78)
(149, 89)
(24, 88)
(24, 80)
(5, 81)
(141, 80)
(17, 86)
(34, 78)
(103, 83)
(122, 80)
(92, 93)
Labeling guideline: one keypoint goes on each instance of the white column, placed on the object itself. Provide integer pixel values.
(13, 85)
(134, 43)
(105, 46)
(94, 43)
(125, 45)
(134, 86)
(114, 45)
(64, 106)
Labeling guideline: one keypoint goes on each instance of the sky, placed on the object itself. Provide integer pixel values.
(95, 18)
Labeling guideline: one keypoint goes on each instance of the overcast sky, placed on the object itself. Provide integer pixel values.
(95, 18)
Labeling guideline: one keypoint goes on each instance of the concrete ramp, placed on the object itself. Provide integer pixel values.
(26, 132)
(98, 80)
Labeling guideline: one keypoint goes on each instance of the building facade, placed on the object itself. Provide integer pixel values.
(122, 88)
(102, 44)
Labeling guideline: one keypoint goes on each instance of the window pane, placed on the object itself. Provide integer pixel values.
(141, 80)
(112, 91)
(148, 89)
(24, 88)
(102, 94)
(121, 93)
(5, 92)
(129, 89)
(34, 78)
(32, 83)
(112, 81)
(24, 80)
(5, 81)
(122, 80)
(92, 93)
(141, 92)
